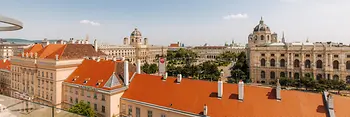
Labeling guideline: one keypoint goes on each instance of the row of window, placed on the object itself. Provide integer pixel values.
(45, 75)
(138, 111)
(103, 108)
(47, 84)
(308, 55)
(307, 63)
(297, 76)
(42, 95)
(82, 93)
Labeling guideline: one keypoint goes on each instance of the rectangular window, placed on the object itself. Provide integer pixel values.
(319, 55)
(137, 112)
(262, 54)
(163, 115)
(82, 92)
(51, 76)
(95, 107)
(307, 55)
(149, 113)
(47, 74)
(335, 56)
(123, 108)
(130, 110)
(272, 54)
(103, 109)
(76, 100)
(88, 103)
(71, 100)
(103, 97)
(95, 95)
(347, 56)
(296, 55)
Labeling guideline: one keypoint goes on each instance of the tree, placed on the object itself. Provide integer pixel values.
(240, 68)
(149, 68)
(82, 108)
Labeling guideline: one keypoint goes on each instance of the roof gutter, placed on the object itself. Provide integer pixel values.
(164, 108)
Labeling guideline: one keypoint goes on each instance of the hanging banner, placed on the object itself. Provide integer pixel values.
(161, 66)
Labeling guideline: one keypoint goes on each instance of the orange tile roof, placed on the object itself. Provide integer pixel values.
(5, 64)
(64, 51)
(174, 45)
(99, 72)
(192, 95)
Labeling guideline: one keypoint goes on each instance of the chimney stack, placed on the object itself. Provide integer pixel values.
(278, 90)
(240, 90)
(138, 66)
(114, 58)
(205, 110)
(222, 74)
(22, 54)
(220, 88)
(98, 59)
(56, 57)
(179, 78)
(165, 76)
(126, 73)
(95, 45)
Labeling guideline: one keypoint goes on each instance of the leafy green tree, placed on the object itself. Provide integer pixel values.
(240, 69)
(82, 108)
(308, 82)
(149, 68)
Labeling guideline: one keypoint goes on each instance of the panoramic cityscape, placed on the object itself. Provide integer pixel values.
(175, 59)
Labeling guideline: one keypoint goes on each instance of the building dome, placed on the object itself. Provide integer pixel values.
(136, 33)
(261, 26)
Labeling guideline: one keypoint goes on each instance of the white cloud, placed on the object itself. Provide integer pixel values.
(90, 22)
(236, 16)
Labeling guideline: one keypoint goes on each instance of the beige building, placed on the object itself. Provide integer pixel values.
(134, 48)
(271, 59)
(7, 49)
(39, 71)
(5, 77)
(100, 83)
(207, 53)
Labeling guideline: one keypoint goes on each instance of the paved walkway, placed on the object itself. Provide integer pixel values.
(227, 71)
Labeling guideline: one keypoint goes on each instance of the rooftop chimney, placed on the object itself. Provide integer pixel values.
(328, 103)
(4, 60)
(126, 73)
(114, 59)
(98, 59)
(205, 110)
(138, 66)
(220, 88)
(22, 54)
(222, 74)
(165, 76)
(31, 54)
(36, 55)
(95, 45)
(179, 78)
(56, 57)
(240, 90)
(278, 90)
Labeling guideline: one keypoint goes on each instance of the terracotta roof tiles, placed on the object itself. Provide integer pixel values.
(5, 64)
(192, 95)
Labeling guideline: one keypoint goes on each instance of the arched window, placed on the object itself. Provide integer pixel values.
(272, 75)
(308, 75)
(262, 62)
(319, 64)
(262, 37)
(256, 37)
(318, 77)
(335, 77)
(268, 37)
(272, 62)
(282, 63)
(296, 76)
(282, 75)
(296, 63)
(335, 64)
(307, 63)
(347, 79)
(262, 74)
(348, 65)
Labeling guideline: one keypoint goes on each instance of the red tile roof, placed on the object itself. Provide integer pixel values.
(192, 95)
(64, 51)
(174, 45)
(5, 64)
(99, 72)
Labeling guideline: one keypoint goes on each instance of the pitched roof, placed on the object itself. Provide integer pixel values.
(64, 51)
(5, 64)
(192, 95)
(106, 72)
(174, 45)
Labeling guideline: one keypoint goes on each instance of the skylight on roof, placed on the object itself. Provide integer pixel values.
(112, 81)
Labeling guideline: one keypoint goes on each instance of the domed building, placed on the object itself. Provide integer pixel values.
(134, 48)
(271, 58)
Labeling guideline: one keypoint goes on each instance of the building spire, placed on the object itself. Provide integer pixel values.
(261, 20)
(283, 39)
(307, 40)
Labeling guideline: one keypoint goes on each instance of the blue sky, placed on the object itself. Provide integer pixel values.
(193, 22)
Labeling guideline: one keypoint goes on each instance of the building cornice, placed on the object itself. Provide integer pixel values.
(113, 91)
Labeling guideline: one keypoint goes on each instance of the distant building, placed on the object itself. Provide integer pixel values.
(5, 77)
(41, 69)
(134, 48)
(207, 52)
(175, 46)
(7, 49)
(157, 96)
(270, 59)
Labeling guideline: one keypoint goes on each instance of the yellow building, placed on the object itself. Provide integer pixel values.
(39, 71)
(270, 58)
(100, 83)
(134, 48)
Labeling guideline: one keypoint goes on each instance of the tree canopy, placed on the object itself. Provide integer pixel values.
(240, 69)
(149, 68)
(311, 84)
(82, 108)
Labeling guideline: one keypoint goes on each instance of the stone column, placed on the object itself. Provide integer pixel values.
(292, 61)
(302, 62)
(325, 66)
(330, 62)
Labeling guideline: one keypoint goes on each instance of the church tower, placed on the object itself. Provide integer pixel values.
(261, 35)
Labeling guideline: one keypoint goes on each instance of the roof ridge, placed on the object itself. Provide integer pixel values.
(64, 48)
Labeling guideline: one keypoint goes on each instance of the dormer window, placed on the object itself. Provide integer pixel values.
(74, 79)
(97, 84)
(86, 80)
